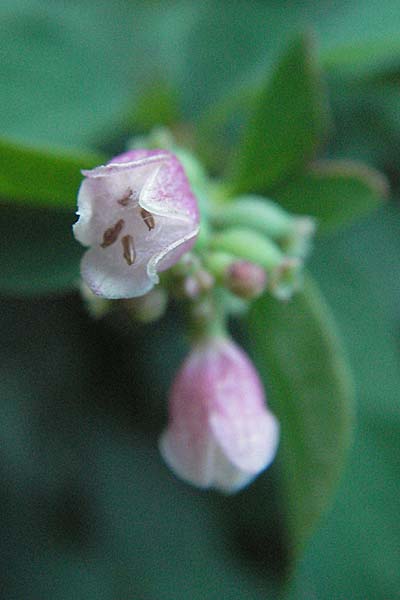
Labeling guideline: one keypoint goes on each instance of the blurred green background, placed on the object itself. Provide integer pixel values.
(87, 509)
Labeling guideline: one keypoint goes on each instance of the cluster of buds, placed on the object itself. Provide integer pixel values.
(139, 217)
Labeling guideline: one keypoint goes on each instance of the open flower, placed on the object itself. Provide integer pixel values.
(220, 434)
(138, 216)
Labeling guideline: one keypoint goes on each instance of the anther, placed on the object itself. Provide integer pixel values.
(111, 234)
(129, 253)
(127, 197)
(147, 218)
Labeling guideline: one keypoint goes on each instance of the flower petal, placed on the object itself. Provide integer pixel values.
(115, 279)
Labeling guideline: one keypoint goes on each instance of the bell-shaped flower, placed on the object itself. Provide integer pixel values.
(138, 216)
(220, 433)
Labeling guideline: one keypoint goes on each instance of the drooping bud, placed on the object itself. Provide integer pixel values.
(138, 216)
(220, 433)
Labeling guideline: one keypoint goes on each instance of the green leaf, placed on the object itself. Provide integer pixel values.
(366, 58)
(287, 123)
(39, 254)
(335, 192)
(35, 177)
(356, 552)
(298, 352)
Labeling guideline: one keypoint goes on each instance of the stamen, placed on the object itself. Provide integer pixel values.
(124, 201)
(147, 218)
(129, 253)
(111, 234)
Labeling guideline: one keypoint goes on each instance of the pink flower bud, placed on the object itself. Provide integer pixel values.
(245, 279)
(220, 434)
(138, 216)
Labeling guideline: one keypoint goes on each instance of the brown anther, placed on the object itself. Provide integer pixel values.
(124, 201)
(128, 196)
(129, 253)
(147, 218)
(111, 234)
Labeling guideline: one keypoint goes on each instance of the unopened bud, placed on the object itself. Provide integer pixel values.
(96, 306)
(299, 242)
(189, 263)
(148, 308)
(191, 287)
(248, 245)
(286, 279)
(197, 284)
(205, 279)
(245, 279)
(256, 212)
(220, 434)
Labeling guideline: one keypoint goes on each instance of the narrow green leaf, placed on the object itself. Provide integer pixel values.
(335, 192)
(39, 254)
(364, 59)
(297, 350)
(35, 177)
(288, 121)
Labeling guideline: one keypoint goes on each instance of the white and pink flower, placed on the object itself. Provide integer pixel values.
(138, 216)
(220, 433)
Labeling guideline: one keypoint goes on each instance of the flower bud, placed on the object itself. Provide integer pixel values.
(96, 306)
(249, 245)
(295, 233)
(299, 242)
(220, 434)
(245, 279)
(138, 216)
(148, 308)
(256, 212)
(286, 279)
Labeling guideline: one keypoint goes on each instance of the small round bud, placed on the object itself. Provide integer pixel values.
(189, 263)
(205, 279)
(96, 306)
(245, 279)
(191, 287)
(197, 284)
(148, 308)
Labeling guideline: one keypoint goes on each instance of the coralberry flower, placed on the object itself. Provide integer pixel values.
(220, 433)
(138, 216)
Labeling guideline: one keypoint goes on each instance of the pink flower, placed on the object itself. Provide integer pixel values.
(138, 216)
(220, 434)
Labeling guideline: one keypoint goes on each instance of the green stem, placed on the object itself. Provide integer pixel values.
(207, 318)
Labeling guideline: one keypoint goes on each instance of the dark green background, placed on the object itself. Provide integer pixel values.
(87, 509)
